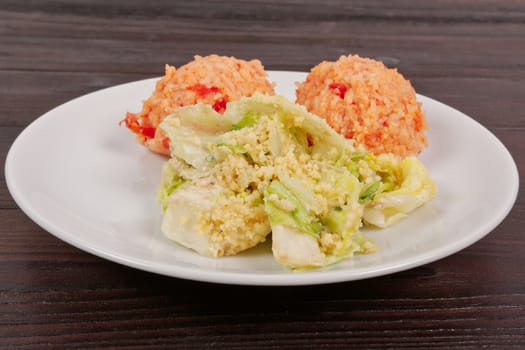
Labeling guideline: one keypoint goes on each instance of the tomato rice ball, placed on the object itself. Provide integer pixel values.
(364, 100)
(214, 80)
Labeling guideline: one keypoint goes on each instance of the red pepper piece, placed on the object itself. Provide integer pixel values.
(166, 143)
(338, 89)
(133, 124)
(148, 131)
(220, 104)
(203, 90)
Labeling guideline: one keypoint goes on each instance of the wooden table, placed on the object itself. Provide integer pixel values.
(467, 54)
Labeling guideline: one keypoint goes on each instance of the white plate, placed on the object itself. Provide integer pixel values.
(83, 178)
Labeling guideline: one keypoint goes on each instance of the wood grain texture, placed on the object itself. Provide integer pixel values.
(468, 54)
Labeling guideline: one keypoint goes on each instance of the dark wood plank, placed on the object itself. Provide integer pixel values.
(450, 10)
(143, 44)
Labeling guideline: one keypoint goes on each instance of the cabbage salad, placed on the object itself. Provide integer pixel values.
(268, 166)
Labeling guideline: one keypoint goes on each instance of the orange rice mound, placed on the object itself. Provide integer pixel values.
(214, 80)
(364, 100)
